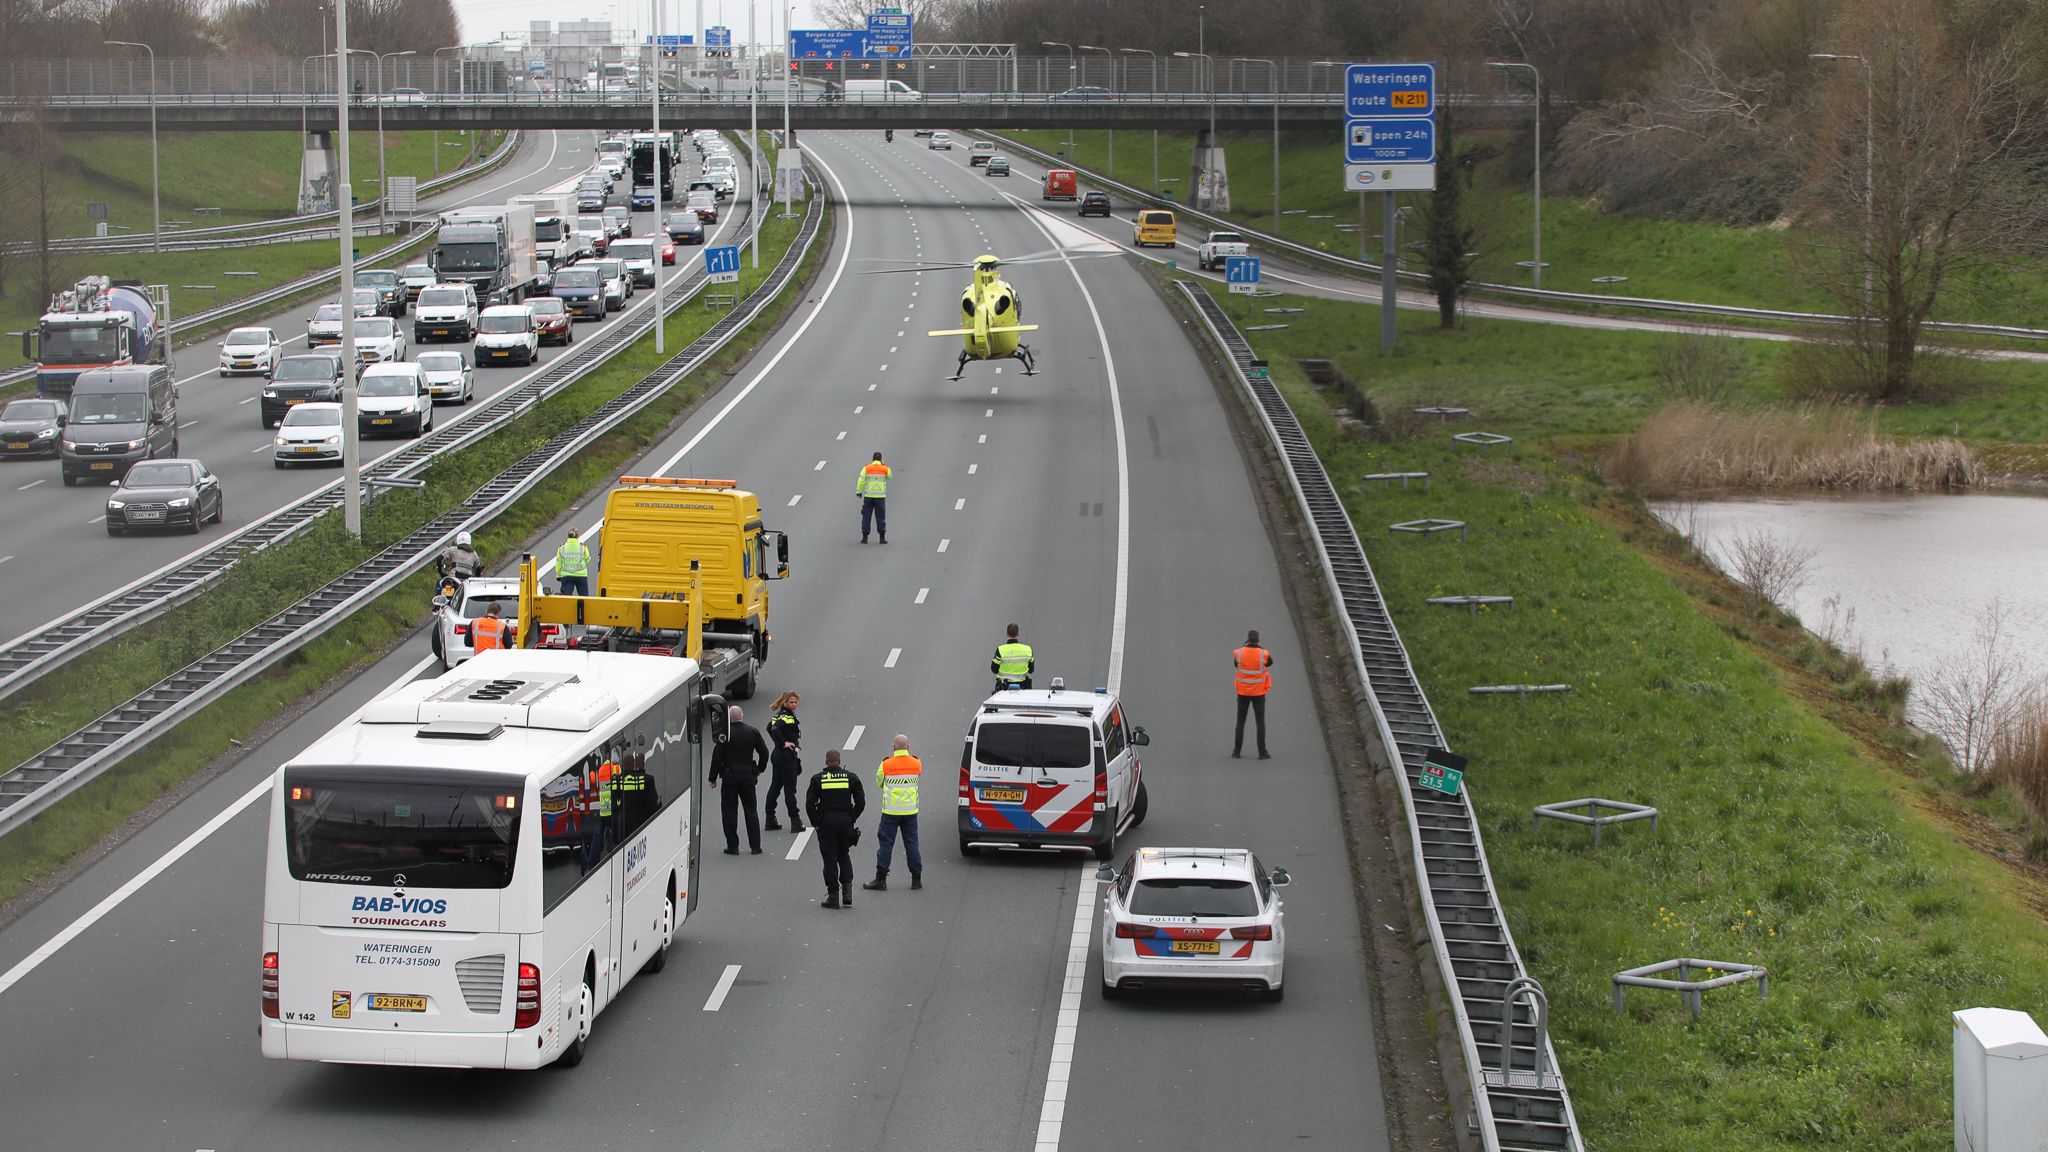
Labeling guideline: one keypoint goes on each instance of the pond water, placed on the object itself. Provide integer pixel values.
(1906, 579)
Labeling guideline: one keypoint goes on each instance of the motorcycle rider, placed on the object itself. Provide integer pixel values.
(1013, 662)
(889, 135)
(461, 559)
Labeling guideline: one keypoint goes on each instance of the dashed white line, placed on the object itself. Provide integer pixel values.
(853, 737)
(796, 850)
(245, 401)
(32, 483)
(943, 543)
(820, 467)
(871, 387)
(188, 424)
(983, 440)
(793, 500)
(921, 592)
(841, 436)
(892, 347)
(883, 368)
(858, 408)
(724, 985)
(893, 654)
(5, 559)
(960, 503)
(990, 412)
(95, 520)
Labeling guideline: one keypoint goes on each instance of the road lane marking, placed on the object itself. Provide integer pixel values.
(188, 424)
(245, 401)
(883, 368)
(994, 391)
(841, 436)
(983, 440)
(1054, 1109)
(972, 468)
(960, 503)
(32, 483)
(921, 592)
(794, 338)
(262, 448)
(5, 559)
(95, 520)
(724, 985)
(990, 412)
(821, 465)
(944, 543)
(893, 654)
(871, 387)
(796, 850)
(72, 931)
(853, 737)
(857, 409)
(794, 499)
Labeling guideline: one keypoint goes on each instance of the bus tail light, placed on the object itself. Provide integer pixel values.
(1135, 931)
(270, 984)
(529, 996)
(1253, 932)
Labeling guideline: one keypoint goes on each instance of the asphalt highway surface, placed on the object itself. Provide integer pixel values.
(55, 554)
(1103, 506)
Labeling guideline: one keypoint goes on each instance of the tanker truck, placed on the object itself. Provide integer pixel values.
(96, 323)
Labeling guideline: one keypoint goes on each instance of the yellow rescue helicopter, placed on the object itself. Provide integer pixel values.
(990, 309)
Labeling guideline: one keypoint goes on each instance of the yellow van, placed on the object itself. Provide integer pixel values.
(1154, 226)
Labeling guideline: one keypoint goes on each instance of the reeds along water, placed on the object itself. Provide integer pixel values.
(2019, 751)
(1688, 448)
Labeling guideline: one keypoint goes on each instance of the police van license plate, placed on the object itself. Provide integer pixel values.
(1198, 947)
(1002, 795)
(385, 1002)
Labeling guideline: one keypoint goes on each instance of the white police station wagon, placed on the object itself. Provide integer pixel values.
(1193, 917)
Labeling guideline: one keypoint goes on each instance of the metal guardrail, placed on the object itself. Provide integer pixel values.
(732, 96)
(240, 304)
(1506, 1051)
(75, 760)
(1537, 295)
(130, 242)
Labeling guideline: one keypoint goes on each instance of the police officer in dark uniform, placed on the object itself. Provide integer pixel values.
(835, 800)
(785, 738)
(738, 763)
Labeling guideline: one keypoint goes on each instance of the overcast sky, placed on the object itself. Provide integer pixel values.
(484, 19)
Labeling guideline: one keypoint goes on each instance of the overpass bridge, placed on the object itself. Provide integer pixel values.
(245, 111)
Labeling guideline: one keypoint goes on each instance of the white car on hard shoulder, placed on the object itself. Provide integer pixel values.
(472, 598)
(1193, 918)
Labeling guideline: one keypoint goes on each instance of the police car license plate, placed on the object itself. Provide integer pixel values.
(385, 1002)
(1198, 947)
(381, 420)
(1002, 795)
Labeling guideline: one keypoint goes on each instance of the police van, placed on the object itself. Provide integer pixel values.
(1050, 769)
(465, 872)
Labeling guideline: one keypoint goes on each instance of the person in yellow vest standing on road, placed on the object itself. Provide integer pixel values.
(1253, 665)
(898, 777)
(873, 490)
(488, 631)
(572, 566)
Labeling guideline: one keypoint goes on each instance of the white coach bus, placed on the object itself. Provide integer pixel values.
(467, 871)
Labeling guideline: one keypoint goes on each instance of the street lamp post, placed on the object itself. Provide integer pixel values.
(156, 204)
(383, 193)
(659, 165)
(1537, 266)
(1361, 196)
(344, 202)
(1109, 133)
(1869, 163)
(1152, 87)
(459, 90)
(1208, 65)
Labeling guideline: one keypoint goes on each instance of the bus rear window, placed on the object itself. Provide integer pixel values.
(410, 828)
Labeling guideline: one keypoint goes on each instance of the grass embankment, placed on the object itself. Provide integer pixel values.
(1662, 259)
(260, 587)
(1801, 827)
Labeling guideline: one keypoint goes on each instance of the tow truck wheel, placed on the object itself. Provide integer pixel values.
(743, 688)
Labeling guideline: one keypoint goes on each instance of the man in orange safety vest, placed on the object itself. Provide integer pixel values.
(1253, 666)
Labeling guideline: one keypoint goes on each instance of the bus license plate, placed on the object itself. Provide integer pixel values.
(385, 1002)
(1198, 947)
(1002, 795)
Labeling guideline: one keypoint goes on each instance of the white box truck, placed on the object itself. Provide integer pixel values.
(553, 215)
(491, 248)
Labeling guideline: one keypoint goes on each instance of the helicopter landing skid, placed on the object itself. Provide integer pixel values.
(1023, 353)
(960, 368)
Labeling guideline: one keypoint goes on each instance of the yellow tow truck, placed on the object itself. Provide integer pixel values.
(683, 567)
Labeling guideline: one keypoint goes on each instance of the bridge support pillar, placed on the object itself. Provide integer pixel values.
(316, 174)
(1209, 176)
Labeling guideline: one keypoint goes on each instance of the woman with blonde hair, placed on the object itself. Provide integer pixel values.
(786, 769)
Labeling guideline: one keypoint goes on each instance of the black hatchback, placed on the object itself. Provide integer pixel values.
(163, 494)
(29, 427)
(1095, 204)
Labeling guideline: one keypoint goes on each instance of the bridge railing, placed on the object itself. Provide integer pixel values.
(322, 102)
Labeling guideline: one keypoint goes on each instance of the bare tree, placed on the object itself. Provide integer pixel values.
(1919, 178)
(1769, 567)
(1976, 696)
(1702, 364)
